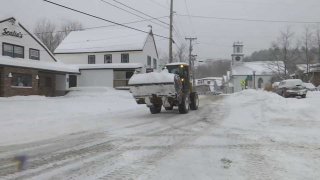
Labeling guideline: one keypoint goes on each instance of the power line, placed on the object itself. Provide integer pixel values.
(103, 19)
(95, 27)
(188, 12)
(177, 32)
(138, 11)
(249, 20)
(160, 5)
(130, 12)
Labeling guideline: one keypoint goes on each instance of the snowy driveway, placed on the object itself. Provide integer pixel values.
(250, 135)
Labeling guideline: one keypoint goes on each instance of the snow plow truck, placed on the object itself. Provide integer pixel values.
(169, 88)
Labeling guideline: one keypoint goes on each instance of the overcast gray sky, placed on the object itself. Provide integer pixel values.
(215, 36)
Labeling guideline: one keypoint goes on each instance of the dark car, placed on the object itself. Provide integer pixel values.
(292, 88)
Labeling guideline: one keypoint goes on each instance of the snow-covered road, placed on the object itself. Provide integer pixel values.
(249, 135)
(131, 148)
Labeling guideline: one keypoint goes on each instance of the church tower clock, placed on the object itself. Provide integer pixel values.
(237, 55)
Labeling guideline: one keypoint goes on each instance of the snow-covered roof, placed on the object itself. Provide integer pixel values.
(26, 63)
(109, 39)
(260, 68)
(302, 67)
(110, 66)
(212, 78)
(313, 67)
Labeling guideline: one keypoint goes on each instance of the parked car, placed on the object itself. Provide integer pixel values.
(292, 88)
(310, 87)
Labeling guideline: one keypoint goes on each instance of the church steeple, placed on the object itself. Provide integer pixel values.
(237, 55)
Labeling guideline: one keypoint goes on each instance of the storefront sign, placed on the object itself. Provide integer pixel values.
(11, 33)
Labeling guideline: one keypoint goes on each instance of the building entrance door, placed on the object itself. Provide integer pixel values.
(72, 81)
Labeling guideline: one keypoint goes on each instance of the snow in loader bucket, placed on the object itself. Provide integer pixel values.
(155, 84)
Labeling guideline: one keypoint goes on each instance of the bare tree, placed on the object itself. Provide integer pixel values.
(45, 30)
(51, 35)
(70, 26)
(182, 54)
(283, 47)
(317, 33)
(307, 38)
(216, 68)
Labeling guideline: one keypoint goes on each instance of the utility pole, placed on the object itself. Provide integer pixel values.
(171, 29)
(191, 67)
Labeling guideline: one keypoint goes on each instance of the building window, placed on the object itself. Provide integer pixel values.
(108, 58)
(91, 59)
(12, 50)
(149, 61)
(124, 58)
(155, 64)
(208, 82)
(260, 83)
(238, 49)
(21, 80)
(34, 54)
(48, 82)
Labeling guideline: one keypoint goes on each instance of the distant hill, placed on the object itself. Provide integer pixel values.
(216, 68)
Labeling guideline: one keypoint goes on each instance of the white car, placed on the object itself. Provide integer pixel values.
(292, 88)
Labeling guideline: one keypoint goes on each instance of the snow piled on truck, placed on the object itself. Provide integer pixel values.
(152, 78)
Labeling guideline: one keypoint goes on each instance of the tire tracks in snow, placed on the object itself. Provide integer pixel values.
(83, 153)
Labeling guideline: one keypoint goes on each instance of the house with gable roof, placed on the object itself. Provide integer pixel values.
(249, 75)
(27, 67)
(108, 56)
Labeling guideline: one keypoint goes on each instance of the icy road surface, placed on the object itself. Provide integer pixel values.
(250, 135)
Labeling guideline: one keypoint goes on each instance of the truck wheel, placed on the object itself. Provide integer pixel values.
(184, 106)
(194, 101)
(284, 95)
(304, 96)
(155, 109)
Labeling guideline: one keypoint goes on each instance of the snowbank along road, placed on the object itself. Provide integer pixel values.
(249, 135)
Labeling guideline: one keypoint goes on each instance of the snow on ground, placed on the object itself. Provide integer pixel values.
(261, 136)
(32, 118)
(247, 135)
(281, 137)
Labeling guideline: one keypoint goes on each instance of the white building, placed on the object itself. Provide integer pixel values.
(214, 83)
(27, 67)
(110, 54)
(253, 75)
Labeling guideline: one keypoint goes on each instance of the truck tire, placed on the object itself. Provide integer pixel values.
(184, 105)
(155, 109)
(304, 96)
(284, 94)
(194, 103)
